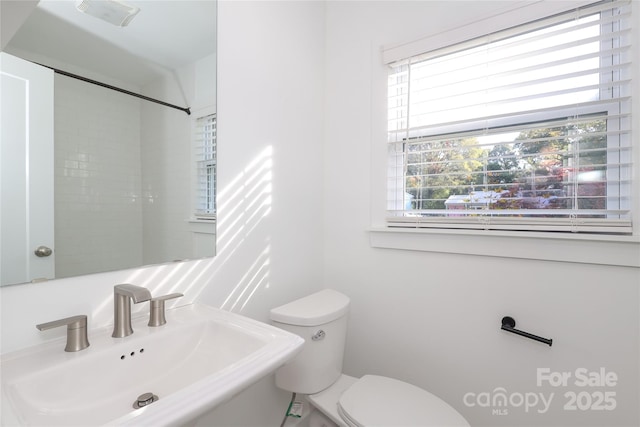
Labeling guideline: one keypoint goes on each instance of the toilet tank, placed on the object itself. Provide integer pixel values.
(321, 319)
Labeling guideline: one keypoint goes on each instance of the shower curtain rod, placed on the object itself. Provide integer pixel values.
(117, 89)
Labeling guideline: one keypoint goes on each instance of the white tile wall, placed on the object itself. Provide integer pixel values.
(166, 164)
(97, 179)
(166, 178)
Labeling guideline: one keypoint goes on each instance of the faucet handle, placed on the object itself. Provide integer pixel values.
(76, 331)
(156, 312)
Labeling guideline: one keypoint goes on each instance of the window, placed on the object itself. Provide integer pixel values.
(524, 129)
(205, 155)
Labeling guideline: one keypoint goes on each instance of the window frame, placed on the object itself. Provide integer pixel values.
(397, 172)
(209, 180)
(615, 250)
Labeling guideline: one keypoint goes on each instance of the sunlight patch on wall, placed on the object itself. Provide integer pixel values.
(256, 276)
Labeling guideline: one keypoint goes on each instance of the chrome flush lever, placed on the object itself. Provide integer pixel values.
(156, 311)
(76, 331)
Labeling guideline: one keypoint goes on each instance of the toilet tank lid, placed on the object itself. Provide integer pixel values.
(315, 309)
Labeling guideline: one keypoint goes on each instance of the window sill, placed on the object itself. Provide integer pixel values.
(202, 221)
(579, 248)
(204, 226)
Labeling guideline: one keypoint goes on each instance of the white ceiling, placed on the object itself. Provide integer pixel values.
(164, 35)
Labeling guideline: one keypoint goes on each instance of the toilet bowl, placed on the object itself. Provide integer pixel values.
(342, 400)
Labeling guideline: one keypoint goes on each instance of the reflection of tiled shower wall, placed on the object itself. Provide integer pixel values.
(97, 179)
(166, 165)
(166, 144)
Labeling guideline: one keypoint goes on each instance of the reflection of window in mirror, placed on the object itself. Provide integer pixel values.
(204, 147)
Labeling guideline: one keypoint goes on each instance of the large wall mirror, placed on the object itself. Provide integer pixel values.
(133, 180)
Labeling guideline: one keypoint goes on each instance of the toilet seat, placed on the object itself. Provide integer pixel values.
(380, 401)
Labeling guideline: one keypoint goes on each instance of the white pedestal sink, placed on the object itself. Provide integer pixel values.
(200, 358)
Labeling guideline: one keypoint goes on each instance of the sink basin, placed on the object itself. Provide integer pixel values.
(202, 357)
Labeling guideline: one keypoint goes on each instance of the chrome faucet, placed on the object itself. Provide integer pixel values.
(122, 296)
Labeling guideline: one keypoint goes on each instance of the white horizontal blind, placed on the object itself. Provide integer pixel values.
(205, 150)
(524, 129)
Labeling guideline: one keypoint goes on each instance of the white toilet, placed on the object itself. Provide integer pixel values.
(321, 319)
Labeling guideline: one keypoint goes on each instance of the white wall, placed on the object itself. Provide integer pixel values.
(12, 16)
(270, 151)
(433, 319)
(270, 99)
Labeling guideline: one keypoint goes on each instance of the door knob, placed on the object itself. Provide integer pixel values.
(43, 251)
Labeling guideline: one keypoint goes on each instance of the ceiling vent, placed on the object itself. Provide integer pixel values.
(112, 11)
